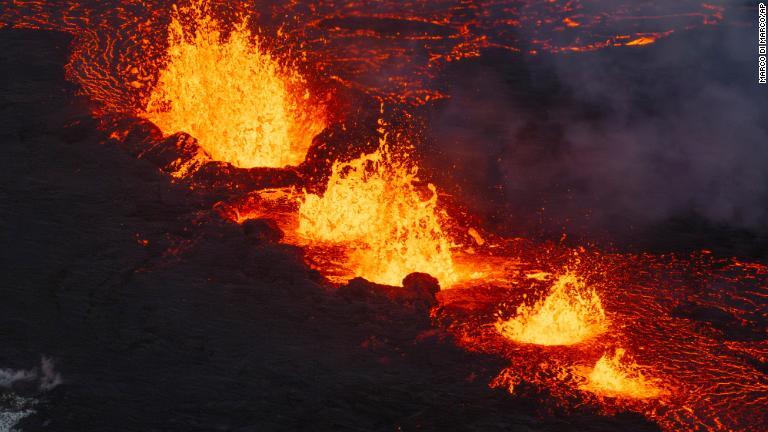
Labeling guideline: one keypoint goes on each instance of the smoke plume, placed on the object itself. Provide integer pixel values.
(617, 139)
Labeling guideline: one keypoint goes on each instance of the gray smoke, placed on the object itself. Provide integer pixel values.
(620, 138)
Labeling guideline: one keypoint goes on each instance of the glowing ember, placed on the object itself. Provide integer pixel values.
(374, 204)
(614, 377)
(241, 104)
(570, 22)
(570, 314)
(644, 40)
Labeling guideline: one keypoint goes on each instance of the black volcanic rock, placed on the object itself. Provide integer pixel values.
(362, 289)
(417, 293)
(723, 321)
(422, 286)
(262, 230)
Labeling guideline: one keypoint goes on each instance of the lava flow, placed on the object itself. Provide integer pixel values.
(386, 48)
(693, 325)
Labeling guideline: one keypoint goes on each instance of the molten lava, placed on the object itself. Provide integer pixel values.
(643, 40)
(243, 106)
(614, 377)
(390, 220)
(699, 320)
(571, 313)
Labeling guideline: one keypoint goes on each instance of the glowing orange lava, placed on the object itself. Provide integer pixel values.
(571, 313)
(643, 40)
(613, 376)
(243, 106)
(376, 205)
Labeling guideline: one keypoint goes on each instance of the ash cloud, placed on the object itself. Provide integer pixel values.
(619, 139)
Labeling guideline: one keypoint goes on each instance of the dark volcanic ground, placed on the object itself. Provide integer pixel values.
(203, 328)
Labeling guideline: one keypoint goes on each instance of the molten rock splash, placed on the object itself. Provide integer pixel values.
(616, 378)
(242, 105)
(392, 225)
(570, 314)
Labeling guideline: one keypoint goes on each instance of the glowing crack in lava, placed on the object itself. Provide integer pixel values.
(613, 376)
(390, 220)
(571, 313)
(378, 46)
(241, 104)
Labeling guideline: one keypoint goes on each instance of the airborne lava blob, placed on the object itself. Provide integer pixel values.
(243, 106)
(571, 313)
(377, 205)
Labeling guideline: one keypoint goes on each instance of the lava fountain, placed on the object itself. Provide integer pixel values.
(389, 219)
(242, 105)
(571, 313)
(613, 376)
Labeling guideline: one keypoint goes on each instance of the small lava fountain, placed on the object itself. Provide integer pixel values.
(377, 205)
(243, 106)
(615, 376)
(571, 313)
